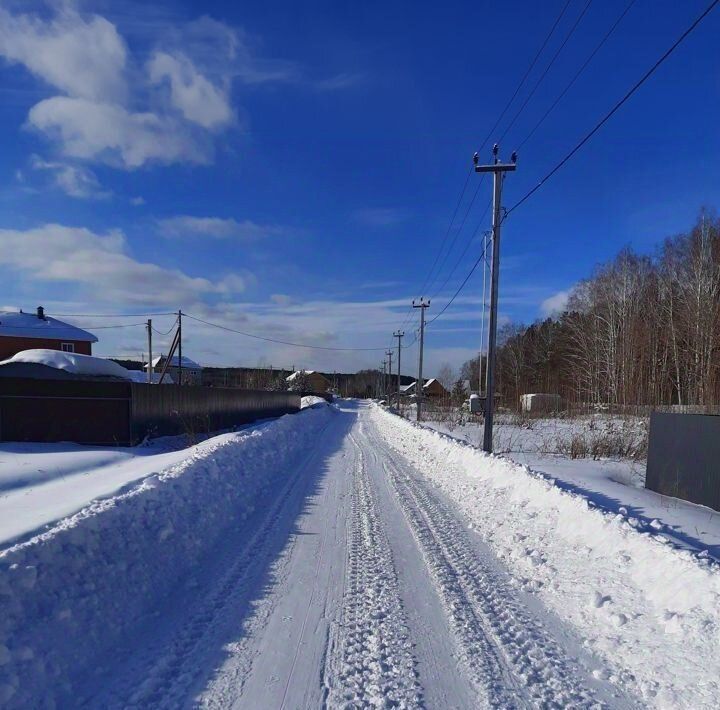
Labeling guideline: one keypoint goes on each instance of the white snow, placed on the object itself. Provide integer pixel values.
(71, 362)
(28, 325)
(658, 621)
(69, 593)
(175, 361)
(292, 377)
(343, 557)
(310, 401)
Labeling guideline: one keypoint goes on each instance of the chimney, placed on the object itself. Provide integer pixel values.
(41, 313)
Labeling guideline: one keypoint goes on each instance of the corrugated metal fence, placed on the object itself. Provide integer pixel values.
(684, 457)
(123, 413)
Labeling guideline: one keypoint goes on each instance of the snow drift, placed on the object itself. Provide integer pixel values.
(68, 594)
(650, 610)
(74, 363)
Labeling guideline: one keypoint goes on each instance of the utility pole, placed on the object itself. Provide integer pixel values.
(498, 170)
(419, 392)
(149, 365)
(180, 363)
(399, 334)
(388, 384)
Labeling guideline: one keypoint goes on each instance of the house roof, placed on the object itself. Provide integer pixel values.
(430, 381)
(405, 388)
(175, 362)
(28, 325)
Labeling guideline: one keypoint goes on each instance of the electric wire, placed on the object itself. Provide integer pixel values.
(617, 106)
(570, 33)
(572, 81)
(276, 340)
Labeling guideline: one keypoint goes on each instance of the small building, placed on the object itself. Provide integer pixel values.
(433, 389)
(539, 403)
(308, 381)
(191, 371)
(36, 331)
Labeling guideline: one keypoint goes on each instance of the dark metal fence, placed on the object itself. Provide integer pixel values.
(684, 457)
(123, 413)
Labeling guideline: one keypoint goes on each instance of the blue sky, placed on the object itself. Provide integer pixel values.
(290, 169)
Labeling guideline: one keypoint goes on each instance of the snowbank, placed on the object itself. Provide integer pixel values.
(68, 594)
(310, 401)
(71, 362)
(651, 610)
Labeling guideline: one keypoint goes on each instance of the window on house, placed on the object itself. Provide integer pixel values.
(67, 347)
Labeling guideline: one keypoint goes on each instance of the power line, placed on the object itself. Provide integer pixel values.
(279, 342)
(464, 251)
(617, 106)
(105, 315)
(547, 69)
(525, 76)
(462, 285)
(579, 72)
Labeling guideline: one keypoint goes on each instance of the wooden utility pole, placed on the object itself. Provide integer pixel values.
(498, 170)
(388, 384)
(149, 365)
(419, 392)
(399, 334)
(180, 362)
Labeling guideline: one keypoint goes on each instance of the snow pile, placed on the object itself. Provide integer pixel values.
(74, 363)
(311, 401)
(650, 610)
(69, 594)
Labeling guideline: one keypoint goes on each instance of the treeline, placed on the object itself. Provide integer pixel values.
(642, 330)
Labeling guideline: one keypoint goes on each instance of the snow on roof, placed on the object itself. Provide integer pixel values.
(405, 388)
(429, 382)
(28, 325)
(187, 363)
(73, 363)
(296, 374)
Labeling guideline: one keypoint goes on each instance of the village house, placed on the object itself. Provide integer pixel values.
(31, 331)
(432, 389)
(309, 381)
(191, 371)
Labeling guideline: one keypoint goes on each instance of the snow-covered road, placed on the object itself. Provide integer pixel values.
(355, 581)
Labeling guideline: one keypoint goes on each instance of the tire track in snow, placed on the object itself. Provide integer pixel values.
(370, 662)
(510, 659)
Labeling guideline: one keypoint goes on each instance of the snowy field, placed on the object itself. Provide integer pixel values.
(613, 484)
(343, 557)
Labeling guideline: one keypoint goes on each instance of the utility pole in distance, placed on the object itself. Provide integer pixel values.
(180, 362)
(389, 354)
(498, 170)
(399, 334)
(422, 305)
(149, 365)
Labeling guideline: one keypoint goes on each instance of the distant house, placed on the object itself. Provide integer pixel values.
(432, 389)
(191, 371)
(308, 380)
(33, 331)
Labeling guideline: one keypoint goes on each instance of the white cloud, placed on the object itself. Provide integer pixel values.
(100, 265)
(555, 304)
(109, 133)
(198, 99)
(73, 180)
(137, 201)
(216, 227)
(81, 57)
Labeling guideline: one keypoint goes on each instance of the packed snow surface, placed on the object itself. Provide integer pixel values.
(71, 362)
(342, 557)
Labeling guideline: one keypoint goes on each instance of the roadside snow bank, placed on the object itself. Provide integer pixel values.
(652, 611)
(310, 401)
(68, 594)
